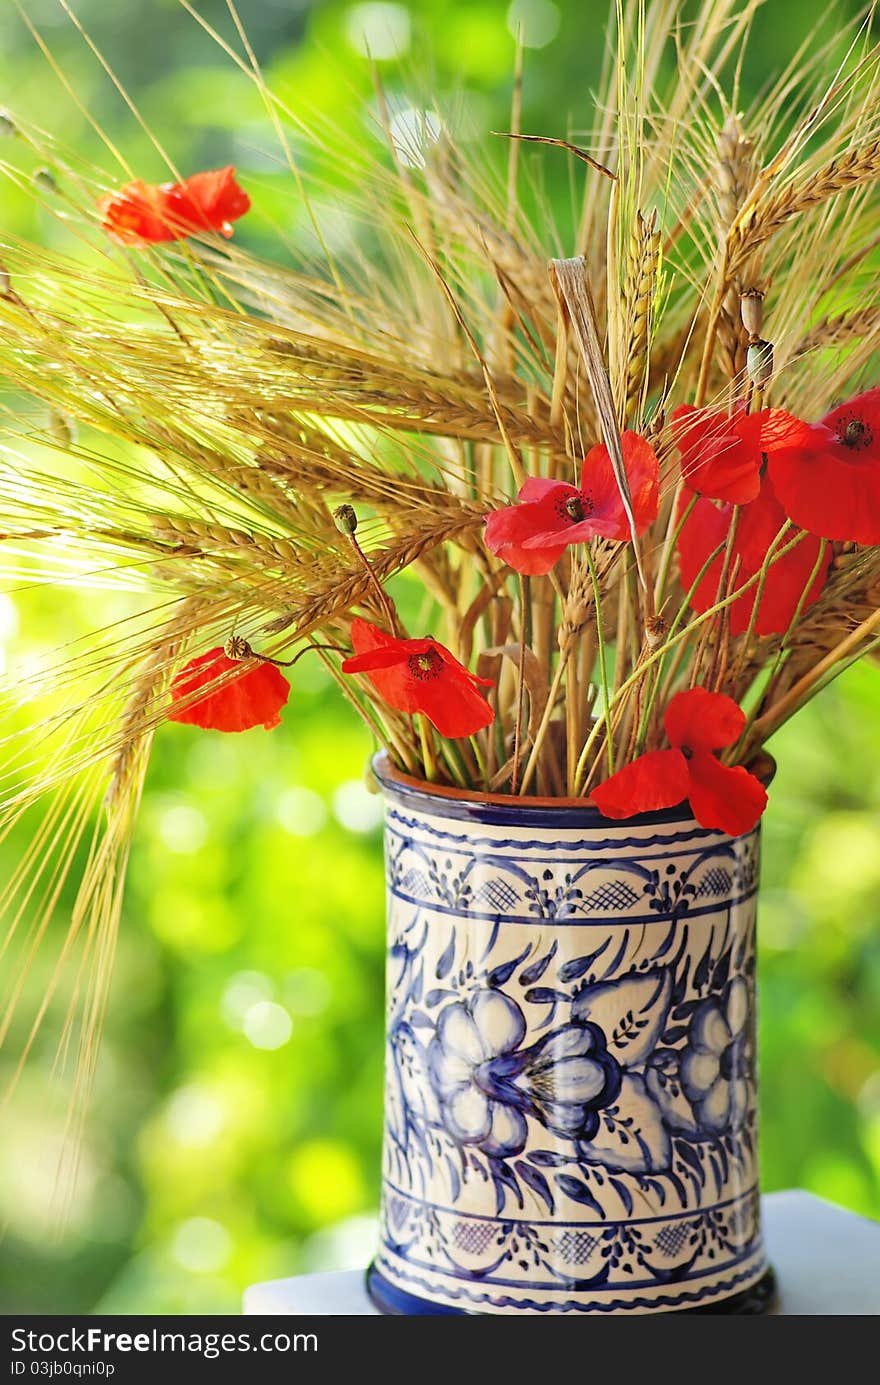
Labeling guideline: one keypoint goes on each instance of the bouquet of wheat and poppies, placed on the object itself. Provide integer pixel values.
(604, 468)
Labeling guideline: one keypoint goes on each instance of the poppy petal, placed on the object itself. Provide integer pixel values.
(531, 562)
(830, 488)
(537, 488)
(254, 697)
(454, 706)
(703, 720)
(787, 581)
(863, 409)
(587, 529)
(479, 682)
(212, 199)
(391, 679)
(370, 659)
(509, 529)
(759, 525)
(657, 779)
(396, 687)
(148, 213)
(782, 431)
(365, 635)
(704, 530)
(720, 454)
(134, 214)
(599, 486)
(729, 800)
(420, 676)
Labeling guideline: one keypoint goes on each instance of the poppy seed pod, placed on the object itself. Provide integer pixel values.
(346, 519)
(751, 308)
(237, 648)
(759, 361)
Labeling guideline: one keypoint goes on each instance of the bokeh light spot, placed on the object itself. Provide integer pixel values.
(379, 31)
(355, 809)
(536, 21)
(301, 812)
(194, 1116)
(201, 1245)
(183, 829)
(241, 993)
(267, 1025)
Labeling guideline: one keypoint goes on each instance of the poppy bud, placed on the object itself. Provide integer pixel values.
(63, 429)
(346, 520)
(237, 648)
(655, 427)
(45, 179)
(759, 361)
(751, 307)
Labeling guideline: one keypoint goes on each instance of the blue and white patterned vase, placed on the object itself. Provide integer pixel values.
(570, 1074)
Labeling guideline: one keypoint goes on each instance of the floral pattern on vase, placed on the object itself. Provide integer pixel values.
(715, 1065)
(570, 1098)
(486, 1084)
(471, 1043)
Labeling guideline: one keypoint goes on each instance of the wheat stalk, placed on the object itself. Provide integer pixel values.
(735, 175)
(839, 329)
(639, 288)
(762, 219)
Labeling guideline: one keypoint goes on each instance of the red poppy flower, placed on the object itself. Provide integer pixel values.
(148, 213)
(697, 723)
(420, 676)
(828, 479)
(722, 454)
(532, 535)
(708, 525)
(253, 698)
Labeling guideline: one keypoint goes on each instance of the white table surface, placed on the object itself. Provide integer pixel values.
(827, 1261)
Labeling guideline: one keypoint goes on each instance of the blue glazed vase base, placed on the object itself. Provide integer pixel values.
(570, 1101)
(758, 1299)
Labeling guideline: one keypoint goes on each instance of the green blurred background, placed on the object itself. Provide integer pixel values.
(234, 1133)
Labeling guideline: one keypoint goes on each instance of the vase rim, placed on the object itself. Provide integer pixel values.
(502, 809)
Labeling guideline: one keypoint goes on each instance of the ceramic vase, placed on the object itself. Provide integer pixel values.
(570, 1093)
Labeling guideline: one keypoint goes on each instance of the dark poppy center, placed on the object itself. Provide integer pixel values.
(577, 507)
(855, 434)
(686, 752)
(426, 665)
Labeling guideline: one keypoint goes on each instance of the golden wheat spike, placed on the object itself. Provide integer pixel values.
(639, 291)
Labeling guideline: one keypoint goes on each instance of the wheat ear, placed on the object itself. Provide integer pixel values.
(638, 297)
